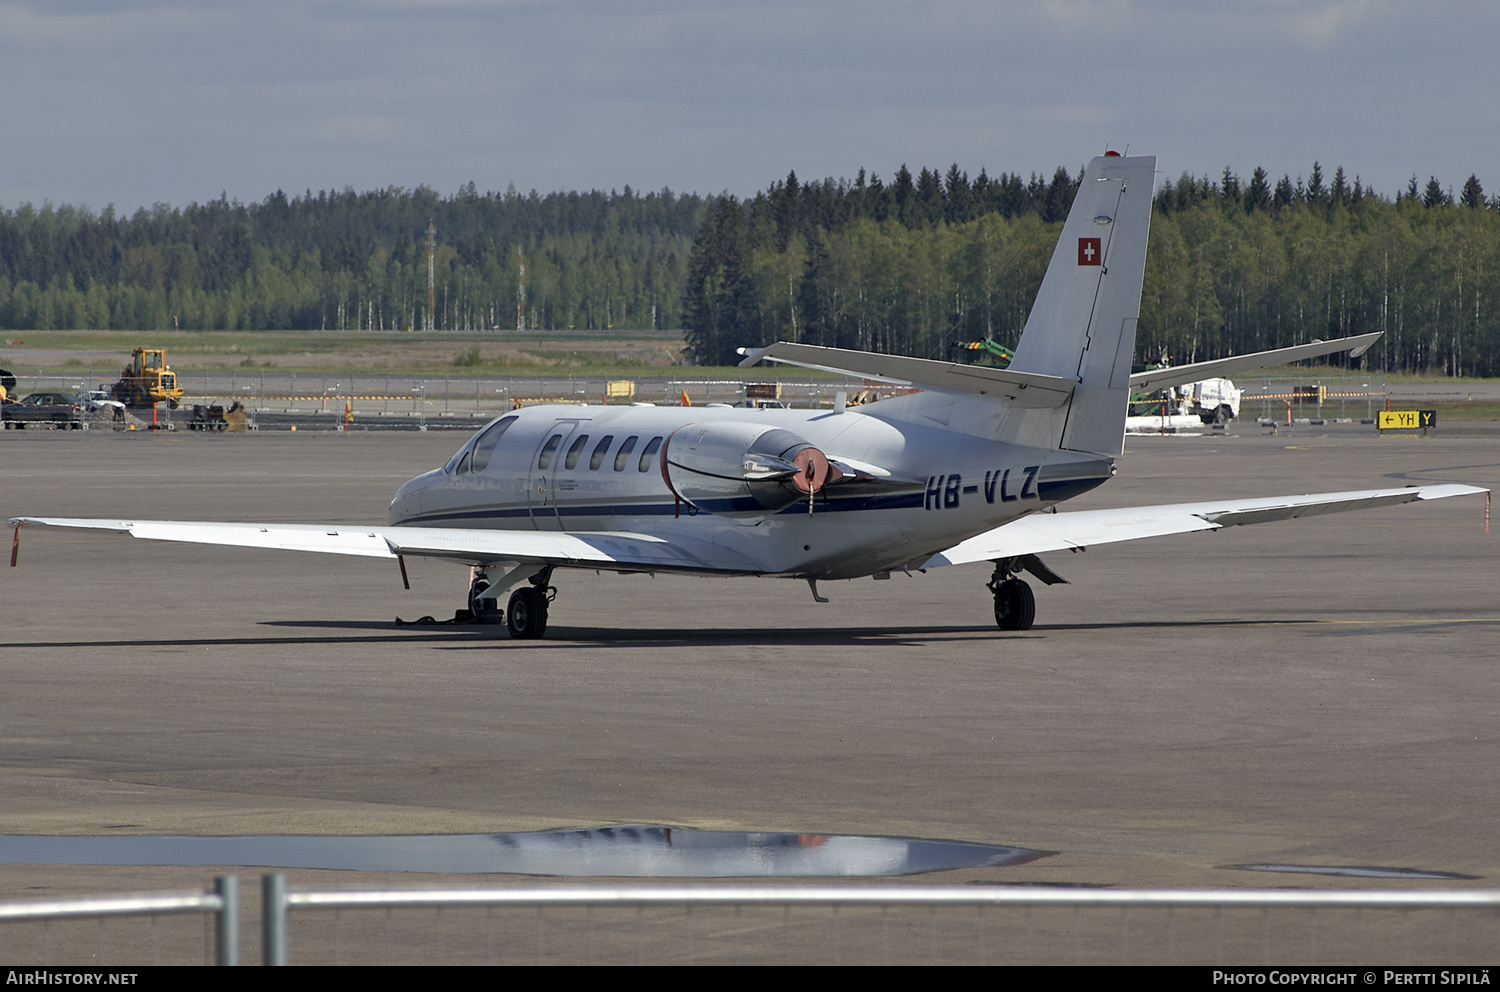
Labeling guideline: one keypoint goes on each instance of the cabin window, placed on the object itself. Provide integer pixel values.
(575, 450)
(549, 451)
(600, 450)
(651, 449)
(485, 445)
(623, 458)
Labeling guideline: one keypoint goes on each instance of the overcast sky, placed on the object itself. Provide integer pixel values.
(132, 102)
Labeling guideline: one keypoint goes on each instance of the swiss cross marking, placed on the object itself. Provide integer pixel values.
(1090, 251)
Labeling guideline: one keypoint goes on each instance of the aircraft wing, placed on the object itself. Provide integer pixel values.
(1177, 375)
(1020, 389)
(623, 551)
(1080, 529)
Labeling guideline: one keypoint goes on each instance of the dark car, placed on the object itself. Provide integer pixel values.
(58, 409)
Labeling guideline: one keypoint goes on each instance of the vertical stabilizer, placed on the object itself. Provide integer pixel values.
(1082, 325)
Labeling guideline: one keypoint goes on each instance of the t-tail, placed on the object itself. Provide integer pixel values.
(1082, 325)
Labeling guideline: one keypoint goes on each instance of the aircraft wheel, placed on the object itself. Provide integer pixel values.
(527, 614)
(1015, 605)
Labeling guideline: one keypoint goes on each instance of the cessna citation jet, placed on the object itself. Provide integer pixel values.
(963, 470)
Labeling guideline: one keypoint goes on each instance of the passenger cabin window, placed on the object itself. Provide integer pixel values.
(574, 450)
(623, 458)
(549, 451)
(485, 445)
(651, 449)
(600, 450)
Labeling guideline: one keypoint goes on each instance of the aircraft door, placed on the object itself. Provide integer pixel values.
(546, 464)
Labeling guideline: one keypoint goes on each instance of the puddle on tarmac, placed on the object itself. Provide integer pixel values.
(1358, 871)
(627, 852)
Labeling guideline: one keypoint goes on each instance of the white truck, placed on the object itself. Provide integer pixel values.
(1182, 408)
(1214, 401)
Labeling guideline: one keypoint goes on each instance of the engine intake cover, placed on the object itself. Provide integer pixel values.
(739, 469)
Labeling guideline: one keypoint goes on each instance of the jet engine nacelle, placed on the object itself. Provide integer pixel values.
(739, 469)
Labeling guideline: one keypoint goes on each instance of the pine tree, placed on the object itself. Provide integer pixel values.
(1433, 195)
(1315, 193)
(1473, 194)
(1258, 194)
(958, 203)
(929, 196)
(1285, 194)
(1229, 187)
(1339, 192)
(904, 193)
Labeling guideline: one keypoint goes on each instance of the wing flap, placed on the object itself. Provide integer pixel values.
(632, 552)
(1081, 529)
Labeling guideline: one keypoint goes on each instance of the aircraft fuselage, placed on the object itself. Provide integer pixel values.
(904, 491)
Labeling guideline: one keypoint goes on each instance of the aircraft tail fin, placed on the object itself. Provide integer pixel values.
(1082, 325)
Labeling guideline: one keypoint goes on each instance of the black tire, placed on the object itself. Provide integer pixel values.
(1015, 605)
(527, 614)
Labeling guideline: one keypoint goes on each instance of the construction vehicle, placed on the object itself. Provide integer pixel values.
(1001, 354)
(147, 380)
(215, 418)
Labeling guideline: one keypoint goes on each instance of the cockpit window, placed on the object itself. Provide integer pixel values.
(651, 449)
(574, 450)
(623, 458)
(600, 450)
(549, 451)
(485, 445)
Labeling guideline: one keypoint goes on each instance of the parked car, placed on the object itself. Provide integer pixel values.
(99, 400)
(57, 409)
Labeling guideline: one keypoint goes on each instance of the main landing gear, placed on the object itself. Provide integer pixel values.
(526, 613)
(1015, 604)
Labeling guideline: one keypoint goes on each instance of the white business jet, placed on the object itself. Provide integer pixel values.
(962, 471)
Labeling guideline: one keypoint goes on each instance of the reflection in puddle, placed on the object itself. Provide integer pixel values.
(1358, 871)
(627, 852)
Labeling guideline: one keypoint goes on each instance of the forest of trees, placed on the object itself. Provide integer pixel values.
(1233, 266)
(910, 266)
(352, 261)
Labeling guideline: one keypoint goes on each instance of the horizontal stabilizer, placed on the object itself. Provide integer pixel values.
(1021, 389)
(1081, 529)
(1219, 368)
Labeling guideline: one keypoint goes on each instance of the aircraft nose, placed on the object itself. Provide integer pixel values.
(408, 500)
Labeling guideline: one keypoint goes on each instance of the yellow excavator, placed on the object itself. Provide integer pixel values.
(147, 380)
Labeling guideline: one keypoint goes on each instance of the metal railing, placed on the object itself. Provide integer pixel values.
(963, 939)
(847, 924)
(418, 396)
(222, 902)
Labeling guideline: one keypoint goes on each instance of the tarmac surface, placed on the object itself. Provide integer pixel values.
(1318, 692)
